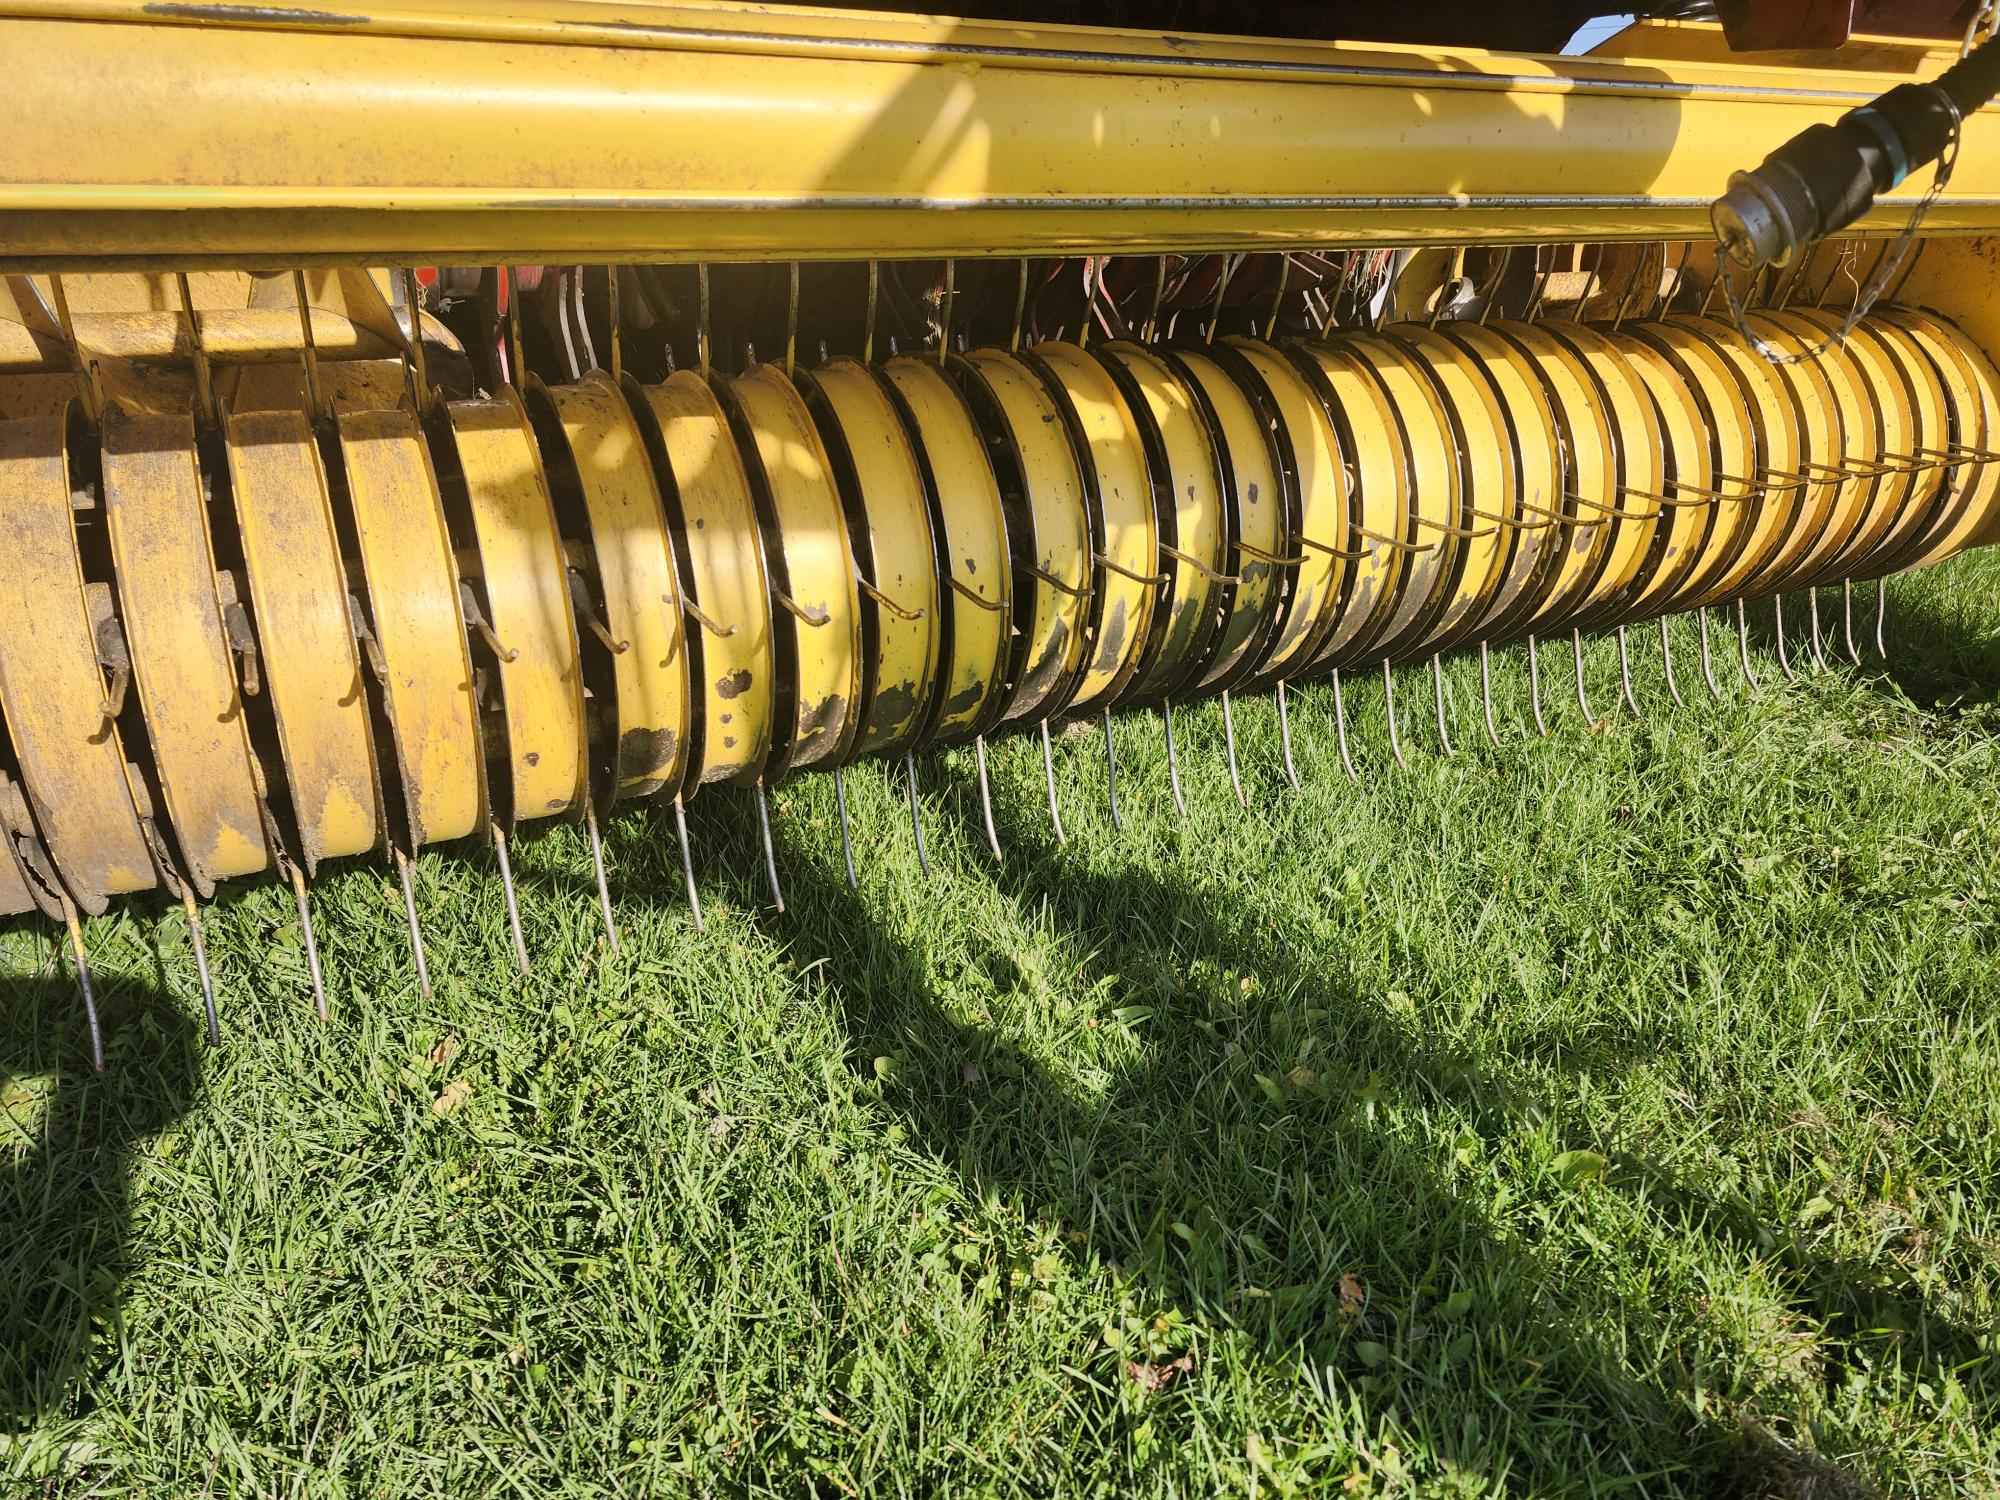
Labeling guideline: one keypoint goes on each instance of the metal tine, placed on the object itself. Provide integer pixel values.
(846, 846)
(1707, 663)
(792, 322)
(1340, 728)
(1576, 649)
(204, 378)
(1625, 675)
(874, 299)
(1778, 615)
(687, 864)
(1159, 292)
(507, 886)
(1535, 687)
(420, 385)
(1111, 773)
(603, 885)
(770, 849)
(1222, 279)
(1173, 756)
(916, 812)
(1437, 694)
(1743, 645)
(86, 374)
(82, 961)
(1285, 737)
(1389, 708)
(308, 350)
(1812, 617)
(1847, 620)
(944, 309)
(1667, 664)
(518, 373)
(986, 799)
(1049, 772)
(1881, 614)
(1486, 693)
(408, 875)
(201, 964)
(312, 942)
(1229, 740)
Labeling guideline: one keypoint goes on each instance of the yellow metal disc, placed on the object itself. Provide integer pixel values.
(1859, 430)
(1324, 505)
(1379, 496)
(714, 524)
(412, 581)
(973, 559)
(1026, 434)
(811, 563)
(1732, 451)
(1774, 425)
(1688, 511)
(895, 547)
(1488, 475)
(1638, 469)
(521, 569)
(71, 762)
(1824, 442)
(182, 667)
(1120, 490)
(1191, 522)
(1889, 426)
(311, 669)
(1436, 493)
(637, 582)
(1254, 513)
(1974, 388)
(1930, 415)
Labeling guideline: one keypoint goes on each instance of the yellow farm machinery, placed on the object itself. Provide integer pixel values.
(417, 425)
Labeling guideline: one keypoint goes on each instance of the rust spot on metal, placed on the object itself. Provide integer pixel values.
(734, 684)
(642, 752)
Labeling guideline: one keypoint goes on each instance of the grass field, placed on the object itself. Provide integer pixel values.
(1611, 1114)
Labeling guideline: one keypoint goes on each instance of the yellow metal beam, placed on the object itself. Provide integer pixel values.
(570, 130)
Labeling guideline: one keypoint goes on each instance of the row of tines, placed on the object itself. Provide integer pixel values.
(248, 644)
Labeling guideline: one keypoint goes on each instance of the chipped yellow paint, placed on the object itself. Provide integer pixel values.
(709, 501)
(412, 582)
(636, 582)
(312, 671)
(71, 760)
(528, 603)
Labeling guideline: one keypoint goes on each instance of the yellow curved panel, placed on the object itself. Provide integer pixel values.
(1689, 477)
(1974, 387)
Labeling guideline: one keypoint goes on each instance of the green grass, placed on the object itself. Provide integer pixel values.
(1612, 1114)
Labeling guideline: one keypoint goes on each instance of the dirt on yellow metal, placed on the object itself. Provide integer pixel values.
(726, 590)
(406, 565)
(514, 551)
(190, 669)
(60, 711)
(599, 449)
(890, 526)
(306, 630)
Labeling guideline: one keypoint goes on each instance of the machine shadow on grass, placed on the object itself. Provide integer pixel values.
(65, 1210)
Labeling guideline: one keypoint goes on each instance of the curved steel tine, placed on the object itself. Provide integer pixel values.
(1389, 706)
(1778, 616)
(603, 885)
(1111, 772)
(1535, 686)
(507, 888)
(1667, 664)
(846, 843)
(311, 941)
(1173, 756)
(406, 872)
(1707, 663)
(1049, 772)
(201, 965)
(1340, 728)
(1743, 644)
(770, 850)
(1285, 737)
(1486, 693)
(1437, 695)
(687, 870)
(1847, 620)
(1812, 619)
(1881, 614)
(1229, 739)
(1625, 675)
(1576, 649)
(81, 960)
(916, 811)
(986, 798)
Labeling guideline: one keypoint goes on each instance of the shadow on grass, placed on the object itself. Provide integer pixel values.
(65, 1210)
